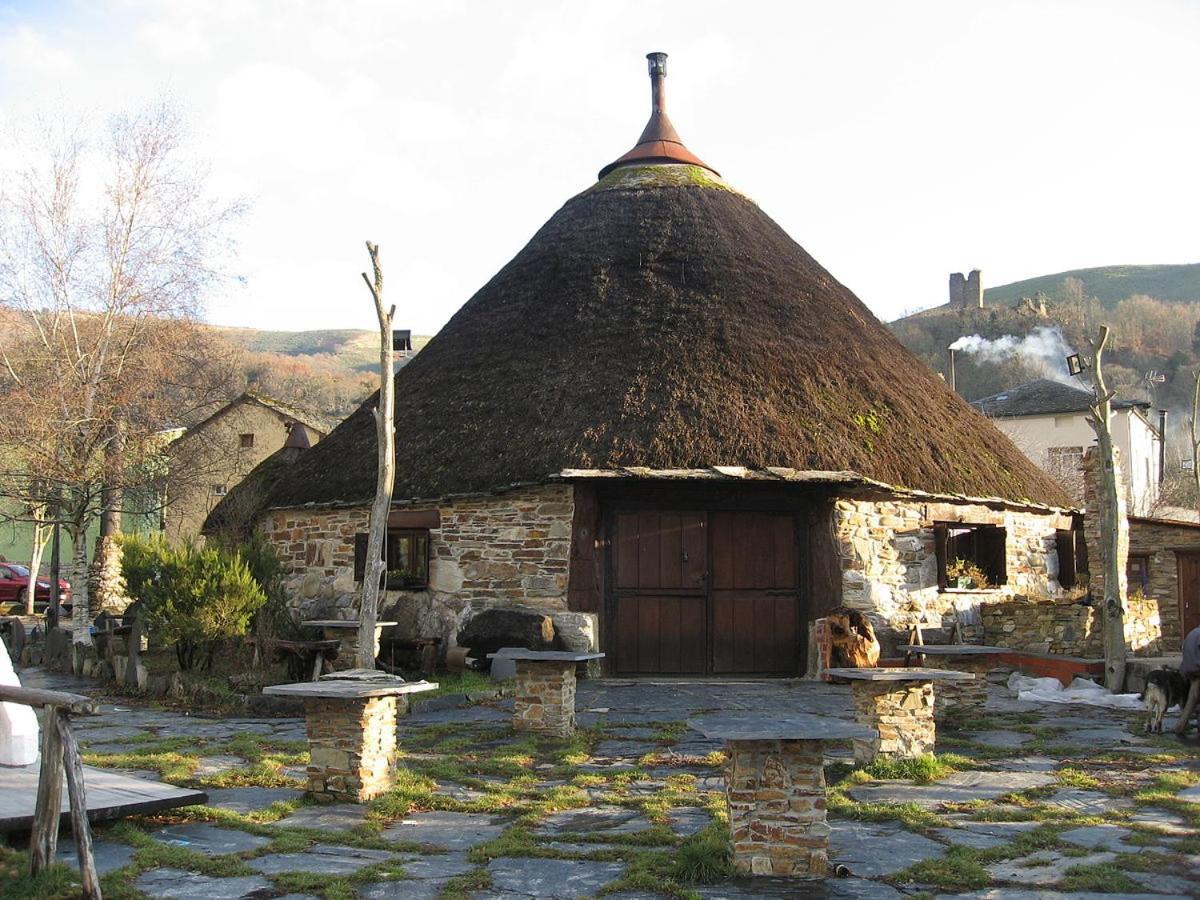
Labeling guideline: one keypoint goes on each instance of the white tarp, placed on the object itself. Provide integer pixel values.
(1050, 690)
(18, 724)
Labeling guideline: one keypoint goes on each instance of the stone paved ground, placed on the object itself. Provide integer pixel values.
(1027, 802)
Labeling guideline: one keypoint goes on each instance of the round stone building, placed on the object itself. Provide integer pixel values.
(665, 415)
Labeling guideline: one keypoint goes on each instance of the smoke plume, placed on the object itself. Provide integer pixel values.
(1043, 349)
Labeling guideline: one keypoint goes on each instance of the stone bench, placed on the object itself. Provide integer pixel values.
(545, 699)
(351, 719)
(775, 788)
(897, 704)
(961, 697)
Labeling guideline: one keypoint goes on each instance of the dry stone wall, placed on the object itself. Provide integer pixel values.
(510, 548)
(1070, 629)
(889, 563)
(1151, 539)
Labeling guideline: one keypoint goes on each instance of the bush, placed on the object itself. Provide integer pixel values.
(274, 618)
(193, 597)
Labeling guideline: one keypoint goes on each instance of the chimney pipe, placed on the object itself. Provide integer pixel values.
(657, 62)
(1162, 445)
(950, 380)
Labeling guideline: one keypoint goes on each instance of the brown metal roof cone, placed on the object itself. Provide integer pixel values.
(298, 437)
(659, 143)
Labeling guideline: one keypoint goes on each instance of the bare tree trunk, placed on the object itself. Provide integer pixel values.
(104, 578)
(385, 432)
(1110, 530)
(81, 612)
(41, 536)
(1195, 432)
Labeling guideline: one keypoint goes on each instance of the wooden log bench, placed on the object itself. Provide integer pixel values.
(351, 719)
(345, 633)
(897, 705)
(545, 699)
(775, 787)
(303, 658)
(959, 698)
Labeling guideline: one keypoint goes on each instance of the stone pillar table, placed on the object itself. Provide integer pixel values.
(897, 704)
(775, 787)
(961, 697)
(351, 723)
(545, 699)
(346, 633)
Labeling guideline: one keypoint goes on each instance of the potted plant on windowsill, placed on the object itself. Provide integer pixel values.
(402, 580)
(964, 575)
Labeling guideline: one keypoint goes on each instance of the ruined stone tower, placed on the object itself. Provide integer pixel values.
(968, 291)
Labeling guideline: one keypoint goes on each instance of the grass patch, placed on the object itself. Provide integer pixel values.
(57, 882)
(959, 869)
(923, 769)
(705, 857)
(1106, 877)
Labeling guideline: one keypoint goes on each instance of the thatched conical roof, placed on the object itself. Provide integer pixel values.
(661, 319)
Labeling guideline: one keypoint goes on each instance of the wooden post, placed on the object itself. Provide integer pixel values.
(43, 838)
(133, 651)
(77, 794)
(385, 435)
(1100, 418)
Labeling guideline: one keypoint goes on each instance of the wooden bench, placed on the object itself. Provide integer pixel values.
(545, 699)
(775, 787)
(311, 658)
(897, 705)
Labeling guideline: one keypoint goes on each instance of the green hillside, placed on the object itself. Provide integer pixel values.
(1108, 284)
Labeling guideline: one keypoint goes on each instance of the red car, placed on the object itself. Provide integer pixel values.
(14, 586)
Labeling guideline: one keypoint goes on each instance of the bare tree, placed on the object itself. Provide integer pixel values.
(385, 432)
(102, 283)
(1195, 429)
(1100, 418)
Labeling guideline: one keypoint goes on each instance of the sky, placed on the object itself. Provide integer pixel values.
(896, 142)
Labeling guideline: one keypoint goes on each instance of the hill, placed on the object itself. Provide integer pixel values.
(1108, 284)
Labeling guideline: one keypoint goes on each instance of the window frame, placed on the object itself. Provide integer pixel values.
(1144, 584)
(243, 443)
(996, 570)
(395, 536)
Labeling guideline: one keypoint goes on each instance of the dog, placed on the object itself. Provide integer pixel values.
(1164, 688)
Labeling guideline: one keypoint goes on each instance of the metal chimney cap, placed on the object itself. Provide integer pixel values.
(658, 62)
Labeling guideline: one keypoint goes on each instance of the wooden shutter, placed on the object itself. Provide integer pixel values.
(940, 533)
(1064, 541)
(360, 556)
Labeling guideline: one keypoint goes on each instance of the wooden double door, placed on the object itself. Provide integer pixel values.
(1189, 589)
(698, 593)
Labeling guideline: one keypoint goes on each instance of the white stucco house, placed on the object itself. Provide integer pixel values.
(1047, 421)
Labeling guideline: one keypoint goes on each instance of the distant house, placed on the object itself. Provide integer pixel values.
(213, 456)
(1047, 420)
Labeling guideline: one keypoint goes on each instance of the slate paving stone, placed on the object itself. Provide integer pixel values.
(1162, 882)
(558, 878)
(1191, 795)
(476, 714)
(327, 859)
(1028, 764)
(211, 840)
(1098, 837)
(608, 819)
(402, 890)
(108, 733)
(629, 749)
(107, 855)
(449, 830)
(956, 788)
(687, 820)
(1086, 803)
(984, 835)
(1003, 740)
(108, 747)
(249, 799)
(860, 889)
(459, 792)
(176, 884)
(1012, 894)
(1161, 820)
(1043, 868)
(335, 817)
(214, 765)
(1111, 734)
(870, 850)
(436, 866)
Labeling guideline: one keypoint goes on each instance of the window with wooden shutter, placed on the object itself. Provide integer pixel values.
(1064, 542)
(970, 557)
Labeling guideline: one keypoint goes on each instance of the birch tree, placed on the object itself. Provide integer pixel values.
(105, 251)
(385, 433)
(1109, 513)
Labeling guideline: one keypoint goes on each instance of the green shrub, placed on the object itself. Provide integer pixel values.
(274, 618)
(192, 597)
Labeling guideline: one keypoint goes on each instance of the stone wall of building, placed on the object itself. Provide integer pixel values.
(1158, 541)
(509, 548)
(890, 571)
(1070, 629)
